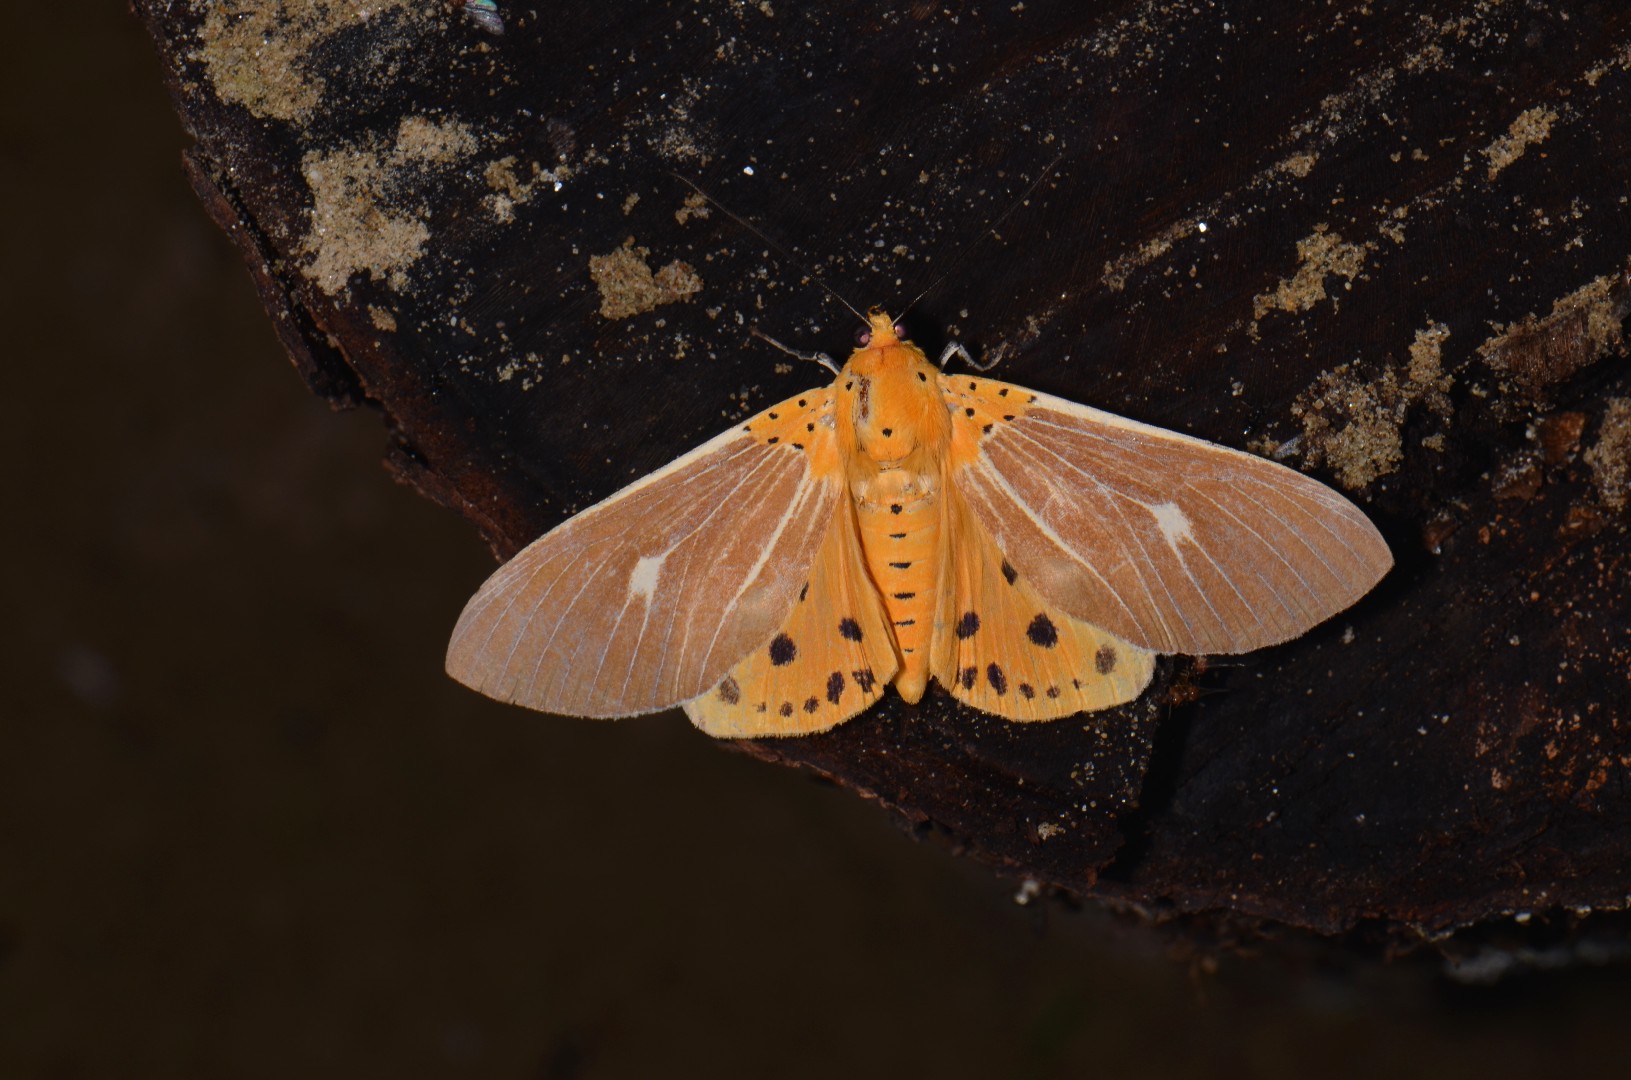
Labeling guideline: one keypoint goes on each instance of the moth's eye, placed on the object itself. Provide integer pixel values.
(863, 338)
(900, 331)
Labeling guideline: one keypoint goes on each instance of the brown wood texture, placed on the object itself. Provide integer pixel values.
(1388, 243)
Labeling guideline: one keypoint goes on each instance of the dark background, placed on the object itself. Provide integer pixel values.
(247, 828)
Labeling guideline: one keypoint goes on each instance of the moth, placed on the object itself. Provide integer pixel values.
(903, 524)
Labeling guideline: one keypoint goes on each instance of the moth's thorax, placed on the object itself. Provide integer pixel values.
(889, 393)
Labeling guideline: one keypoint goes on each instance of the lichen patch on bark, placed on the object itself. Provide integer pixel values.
(258, 53)
(367, 214)
(1610, 456)
(1353, 425)
(628, 286)
(1532, 126)
(1320, 255)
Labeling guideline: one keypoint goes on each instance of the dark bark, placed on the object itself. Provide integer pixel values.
(1388, 242)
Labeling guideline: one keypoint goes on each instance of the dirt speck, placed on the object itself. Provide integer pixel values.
(1392, 225)
(1519, 479)
(526, 369)
(628, 287)
(1610, 456)
(1117, 271)
(1352, 424)
(1430, 57)
(1321, 255)
(1425, 372)
(510, 191)
(1621, 59)
(1583, 326)
(1559, 435)
(366, 210)
(381, 318)
(1299, 165)
(1531, 126)
(694, 206)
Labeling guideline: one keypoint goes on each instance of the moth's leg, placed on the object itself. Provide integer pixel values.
(956, 349)
(817, 357)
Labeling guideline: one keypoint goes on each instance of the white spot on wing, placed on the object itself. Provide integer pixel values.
(1174, 525)
(643, 578)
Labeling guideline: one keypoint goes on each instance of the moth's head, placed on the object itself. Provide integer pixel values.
(881, 332)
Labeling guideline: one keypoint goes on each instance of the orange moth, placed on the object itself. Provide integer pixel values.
(902, 524)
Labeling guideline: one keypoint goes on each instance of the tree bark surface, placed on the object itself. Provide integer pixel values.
(1388, 243)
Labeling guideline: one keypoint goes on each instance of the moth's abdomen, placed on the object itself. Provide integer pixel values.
(899, 516)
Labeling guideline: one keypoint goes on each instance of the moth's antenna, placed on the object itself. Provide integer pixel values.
(989, 230)
(756, 231)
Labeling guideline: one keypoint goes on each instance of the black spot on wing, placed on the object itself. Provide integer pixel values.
(968, 624)
(998, 681)
(729, 692)
(967, 677)
(812, 704)
(1026, 691)
(1053, 691)
(1042, 632)
(1105, 659)
(1009, 572)
(804, 591)
(782, 650)
(903, 595)
(864, 679)
(786, 709)
(835, 686)
(849, 629)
